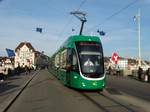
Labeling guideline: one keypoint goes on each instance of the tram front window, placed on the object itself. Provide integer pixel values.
(91, 59)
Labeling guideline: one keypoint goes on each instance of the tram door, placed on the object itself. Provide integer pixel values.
(72, 64)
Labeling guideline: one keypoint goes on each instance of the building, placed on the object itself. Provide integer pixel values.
(25, 54)
(8, 64)
(123, 63)
(41, 60)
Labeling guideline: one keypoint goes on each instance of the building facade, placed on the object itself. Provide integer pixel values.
(25, 55)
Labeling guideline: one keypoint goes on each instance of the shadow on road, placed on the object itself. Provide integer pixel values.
(7, 86)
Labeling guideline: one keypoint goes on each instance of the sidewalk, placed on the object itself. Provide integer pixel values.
(11, 87)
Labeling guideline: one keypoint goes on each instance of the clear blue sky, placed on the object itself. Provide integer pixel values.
(19, 18)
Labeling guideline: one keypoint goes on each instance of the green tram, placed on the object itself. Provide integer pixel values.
(79, 63)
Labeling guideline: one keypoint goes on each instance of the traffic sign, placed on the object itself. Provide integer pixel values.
(115, 57)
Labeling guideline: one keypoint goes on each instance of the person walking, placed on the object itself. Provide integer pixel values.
(118, 71)
(29, 69)
(2, 70)
(140, 73)
(26, 69)
(110, 70)
(148, 74)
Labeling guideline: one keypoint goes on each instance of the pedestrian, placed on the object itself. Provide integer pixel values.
(110, 70)
(118, 71)
(148, 74)
(2, 70)
(18, 69)
(26, 69)
(140, 73)
(29, 69)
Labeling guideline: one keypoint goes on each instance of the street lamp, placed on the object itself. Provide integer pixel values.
(138, 19)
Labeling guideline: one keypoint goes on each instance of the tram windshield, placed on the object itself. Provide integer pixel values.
(91, 59)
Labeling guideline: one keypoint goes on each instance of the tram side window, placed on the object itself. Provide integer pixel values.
(57, 60)
(74, 62)
(63, 59)
(69, 56)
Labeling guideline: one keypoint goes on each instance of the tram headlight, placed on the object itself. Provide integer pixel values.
(75, 77)
(83, 84)
(94, 84)
(103, 84)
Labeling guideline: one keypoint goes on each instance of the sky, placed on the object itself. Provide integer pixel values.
(20, 18)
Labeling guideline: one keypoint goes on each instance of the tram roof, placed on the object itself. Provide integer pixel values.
(80, 38)
(69, 43)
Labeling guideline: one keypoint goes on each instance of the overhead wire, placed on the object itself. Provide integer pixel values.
(114, 14)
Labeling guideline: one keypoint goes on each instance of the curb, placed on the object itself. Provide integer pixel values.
(13, 97)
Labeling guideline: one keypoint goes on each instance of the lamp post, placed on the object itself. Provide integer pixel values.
(138, 19)
(139, 37)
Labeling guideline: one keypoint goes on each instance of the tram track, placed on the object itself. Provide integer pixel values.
(111, 99)
(108, 104)
(101, 100)
(94, 102)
